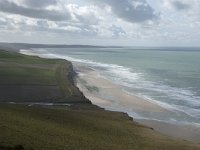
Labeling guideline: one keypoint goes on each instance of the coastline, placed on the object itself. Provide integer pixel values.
(76, 126)
(91, 92)
(102, 92)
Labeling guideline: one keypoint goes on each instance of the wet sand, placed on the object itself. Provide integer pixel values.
(186, 132)
(110, 96)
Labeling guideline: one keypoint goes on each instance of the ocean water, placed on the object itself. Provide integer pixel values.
(169, 77)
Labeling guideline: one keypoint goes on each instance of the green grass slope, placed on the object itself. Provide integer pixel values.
(33, 79)
(42, 128)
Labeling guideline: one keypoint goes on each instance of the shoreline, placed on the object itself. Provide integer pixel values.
(101, 92)
(138, 104)
(185, 132)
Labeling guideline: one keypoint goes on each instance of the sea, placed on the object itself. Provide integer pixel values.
(166, 76)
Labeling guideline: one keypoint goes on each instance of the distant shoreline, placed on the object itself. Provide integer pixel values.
(17, 46)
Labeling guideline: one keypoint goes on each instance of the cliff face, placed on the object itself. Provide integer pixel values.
(72, 92)
(72, 74)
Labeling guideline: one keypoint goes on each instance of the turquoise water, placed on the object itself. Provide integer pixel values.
(169, 77)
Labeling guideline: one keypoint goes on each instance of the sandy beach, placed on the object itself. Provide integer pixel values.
(108, 91)
(185, 132)
(110, 96)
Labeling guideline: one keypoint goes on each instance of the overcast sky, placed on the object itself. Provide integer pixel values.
(101, 22)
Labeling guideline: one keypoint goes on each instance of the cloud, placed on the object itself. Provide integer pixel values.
(117, 31)
(85, 14)
(176, 4)
(13, 8)
(39, 3)
(126, 20)
(180, 6)
(134, 11)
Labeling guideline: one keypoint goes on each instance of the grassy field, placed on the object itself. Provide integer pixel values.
(81, 126)
(57, 129)
(33, 79)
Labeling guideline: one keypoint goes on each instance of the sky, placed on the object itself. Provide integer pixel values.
(101, 22)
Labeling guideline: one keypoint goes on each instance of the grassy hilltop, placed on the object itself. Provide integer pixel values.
(33, 79)
(57, 129)
(78, 127)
